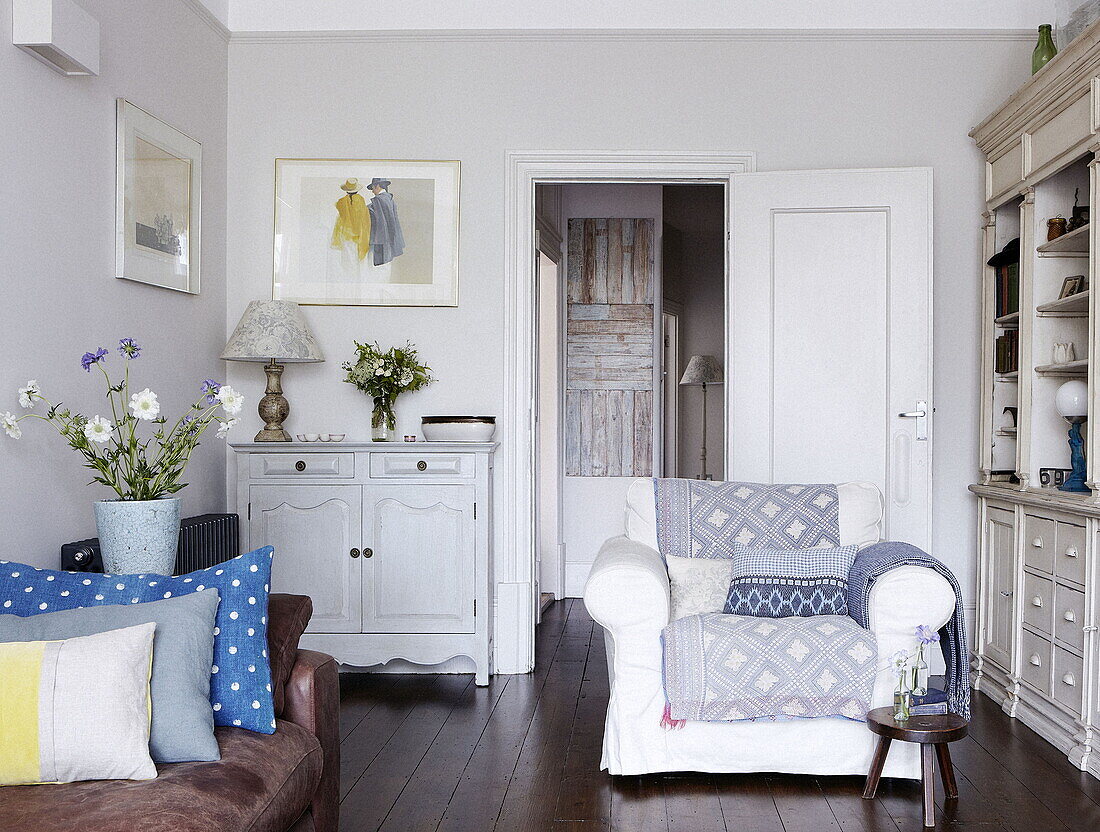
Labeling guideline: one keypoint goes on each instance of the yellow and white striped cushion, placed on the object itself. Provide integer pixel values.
(77, 709)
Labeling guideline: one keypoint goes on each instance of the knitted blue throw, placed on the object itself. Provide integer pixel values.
(875, 561)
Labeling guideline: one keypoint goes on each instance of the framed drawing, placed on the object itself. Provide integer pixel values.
(363, 232)
(158, 174)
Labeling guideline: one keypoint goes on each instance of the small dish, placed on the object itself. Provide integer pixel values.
(324, 437)
(301, 437)
(312, 437)
(336, 437)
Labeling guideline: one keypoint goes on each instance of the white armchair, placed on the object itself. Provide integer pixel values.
(627, 593)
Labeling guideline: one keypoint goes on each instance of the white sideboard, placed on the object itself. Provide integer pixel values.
(390, 540)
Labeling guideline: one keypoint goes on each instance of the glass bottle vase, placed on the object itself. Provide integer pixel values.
(382, 424)
(902, 699)
(1044, 49)
(918, 674)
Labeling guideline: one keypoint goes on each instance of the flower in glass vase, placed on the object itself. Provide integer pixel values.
(139, 529)
(384, 375)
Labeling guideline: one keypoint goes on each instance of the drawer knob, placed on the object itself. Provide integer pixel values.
(1069, 615)
(354, 553)
(368, 553)
(1036, 601)
(1035, 660)
(1071, 552)
(422, 466)
(300, 465)
(1037, 543)
(1006, 593)
(1069, 680)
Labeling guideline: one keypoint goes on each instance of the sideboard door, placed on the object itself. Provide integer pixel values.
(999, 586)
(315, 530)
(420, 576)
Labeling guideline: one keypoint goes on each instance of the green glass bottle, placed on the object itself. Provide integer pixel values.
(1044, 49)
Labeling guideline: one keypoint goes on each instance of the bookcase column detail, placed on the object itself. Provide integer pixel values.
(1092, 437)
(1026, 333)
(989, 335)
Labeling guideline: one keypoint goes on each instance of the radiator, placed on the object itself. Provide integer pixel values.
(204, 541)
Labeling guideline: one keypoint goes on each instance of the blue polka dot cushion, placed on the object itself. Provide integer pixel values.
(240, 684)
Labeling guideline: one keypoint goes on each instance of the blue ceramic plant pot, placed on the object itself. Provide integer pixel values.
(138, 536)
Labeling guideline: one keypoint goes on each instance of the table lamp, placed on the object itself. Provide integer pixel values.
(275, 332)
(1072, 401)
(701, 371)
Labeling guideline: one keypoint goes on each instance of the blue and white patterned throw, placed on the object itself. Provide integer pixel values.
(729, 667)
(777, 583)
(701, 519)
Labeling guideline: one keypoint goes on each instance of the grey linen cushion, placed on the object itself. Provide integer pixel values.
(183, 650)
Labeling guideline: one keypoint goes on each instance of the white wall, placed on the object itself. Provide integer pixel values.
(57, 213)
(270, 15)
(807, 104)
(585, 529)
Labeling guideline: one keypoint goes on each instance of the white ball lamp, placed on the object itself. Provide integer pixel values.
(1072, 402)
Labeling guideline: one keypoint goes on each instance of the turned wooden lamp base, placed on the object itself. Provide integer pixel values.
(273, 407)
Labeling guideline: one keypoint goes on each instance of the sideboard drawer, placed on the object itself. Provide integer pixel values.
(1069, 559)
(1069, 616)
(408, 466)
(1068, 679)
(1039, 542)
(1038, 602)
(301, 465)
(1035, 661)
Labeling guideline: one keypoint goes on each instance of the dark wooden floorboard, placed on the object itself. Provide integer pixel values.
(423, 753)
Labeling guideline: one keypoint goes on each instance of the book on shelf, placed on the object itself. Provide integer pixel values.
(1007, 355)
(1008, 289)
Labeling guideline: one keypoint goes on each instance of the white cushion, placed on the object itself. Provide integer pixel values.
(860, 513)
(698, 585)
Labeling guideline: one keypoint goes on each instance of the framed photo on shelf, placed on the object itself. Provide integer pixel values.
(1072, 286)
(158, 181)
(366, 232)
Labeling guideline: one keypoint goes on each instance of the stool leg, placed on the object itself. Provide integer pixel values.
(928, 783)
(877, 762)
(947, 771)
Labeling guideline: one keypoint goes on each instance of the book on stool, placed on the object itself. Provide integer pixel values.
(932, 702)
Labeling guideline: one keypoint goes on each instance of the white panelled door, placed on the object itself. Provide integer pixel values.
(831, 334)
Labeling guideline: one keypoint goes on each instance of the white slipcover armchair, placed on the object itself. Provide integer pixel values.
(627, 593)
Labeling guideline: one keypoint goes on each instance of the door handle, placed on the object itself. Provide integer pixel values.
(921, 415)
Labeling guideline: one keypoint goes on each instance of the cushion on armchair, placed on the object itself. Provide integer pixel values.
(779, 583)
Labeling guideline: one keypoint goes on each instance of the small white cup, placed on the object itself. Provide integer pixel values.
(312, 437)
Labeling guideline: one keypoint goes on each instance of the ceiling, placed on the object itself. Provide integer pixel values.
(373, 15)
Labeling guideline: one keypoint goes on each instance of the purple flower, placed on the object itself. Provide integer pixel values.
(927, 635)
(128, 348)
(89, 358)
(210, 389)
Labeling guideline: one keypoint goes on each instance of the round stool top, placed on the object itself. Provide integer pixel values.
(923, 729)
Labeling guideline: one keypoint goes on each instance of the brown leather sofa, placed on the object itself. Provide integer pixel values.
(282, 782)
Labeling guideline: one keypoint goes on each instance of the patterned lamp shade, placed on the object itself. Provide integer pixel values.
(273, 330)
(702, 369)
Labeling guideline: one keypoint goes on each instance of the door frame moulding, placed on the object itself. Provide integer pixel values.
(515, 602)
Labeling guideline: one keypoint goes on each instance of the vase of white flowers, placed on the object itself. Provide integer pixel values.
(139, 528)
(384, 375)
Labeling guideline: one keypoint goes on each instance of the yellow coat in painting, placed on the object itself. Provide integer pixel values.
(352, 224)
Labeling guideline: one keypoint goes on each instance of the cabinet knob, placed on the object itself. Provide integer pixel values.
(368, 553)
(1071, 552)
(1037, 543)
(422, 466)
(1069, 615)
(1035, 660)
(354, 553)
(300, 465)
(1037, 601)
(1069, 680)
(1006, 593)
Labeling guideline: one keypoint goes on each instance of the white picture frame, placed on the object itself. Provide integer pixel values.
(366, 232)
(158, 190)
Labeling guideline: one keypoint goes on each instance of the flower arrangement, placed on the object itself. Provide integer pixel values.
(912, 671)
(384, 375)
(135, 469)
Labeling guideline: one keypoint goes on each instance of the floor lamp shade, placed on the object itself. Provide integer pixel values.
(702, 370)
(273, 331)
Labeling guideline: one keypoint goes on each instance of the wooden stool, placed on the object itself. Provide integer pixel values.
(932, 732)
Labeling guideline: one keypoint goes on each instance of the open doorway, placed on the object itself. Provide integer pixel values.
(640, 290)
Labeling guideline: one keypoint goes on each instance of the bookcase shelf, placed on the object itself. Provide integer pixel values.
(1009, 321)
(1073, 244)
(1072, 369)
(1075, 306)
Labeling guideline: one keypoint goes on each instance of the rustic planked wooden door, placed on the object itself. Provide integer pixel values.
(609, 362)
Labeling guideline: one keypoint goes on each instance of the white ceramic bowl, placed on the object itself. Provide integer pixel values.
(336, 437)
(458, 428)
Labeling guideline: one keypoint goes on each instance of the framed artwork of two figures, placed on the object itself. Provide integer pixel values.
(360, 232)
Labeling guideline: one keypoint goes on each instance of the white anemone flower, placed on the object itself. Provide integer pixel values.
(28, 394)
(145, 405)
(10, 425)
(98, 430)
(225, 427)
(231, 400)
